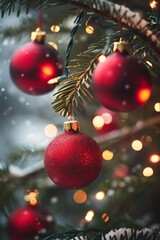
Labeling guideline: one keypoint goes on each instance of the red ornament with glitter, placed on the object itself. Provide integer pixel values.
(73, 159)
(121, 83)
(34, 64)
(29, 221)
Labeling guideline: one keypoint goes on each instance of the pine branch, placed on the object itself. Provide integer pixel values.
(76, 89)
(117, 234)
(117, 13)
(126, 134)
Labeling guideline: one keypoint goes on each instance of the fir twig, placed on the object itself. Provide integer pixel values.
(92, 234)
(76, 88)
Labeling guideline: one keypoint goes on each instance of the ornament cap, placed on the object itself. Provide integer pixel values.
(38, 35)
(71, 125)
(120, 46)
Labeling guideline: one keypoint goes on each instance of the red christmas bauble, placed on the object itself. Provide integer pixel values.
(105, 121)
(28, 222)
(121, 83)
(73, 160)
(33, 65)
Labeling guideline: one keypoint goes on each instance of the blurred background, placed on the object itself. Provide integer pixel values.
(123, 195)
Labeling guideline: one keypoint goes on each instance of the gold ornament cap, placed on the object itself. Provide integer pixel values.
(71, 125)
(38, 35)
(121, 46)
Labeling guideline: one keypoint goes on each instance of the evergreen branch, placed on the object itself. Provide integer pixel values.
(117, 234)
(126, 134)
(117, 13)
(124, 17)
(76, 89)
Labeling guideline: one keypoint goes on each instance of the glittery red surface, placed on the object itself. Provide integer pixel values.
(73, 160)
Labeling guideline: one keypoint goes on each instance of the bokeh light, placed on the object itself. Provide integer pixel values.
(154, 158)
(148, 172)
(121, 170)
(107, 155)
(31, 197)
(98, 122)
(137, 145)
(89, 29)
(102, 58)
(100, 195)
(55, 28)
(153, 4)
(149, 63)
(105, 217)
(50, 130)
(89, 216)
(53, 44)
(80, 196)
(157, 107)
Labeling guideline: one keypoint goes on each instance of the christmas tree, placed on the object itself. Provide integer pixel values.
(80, 119)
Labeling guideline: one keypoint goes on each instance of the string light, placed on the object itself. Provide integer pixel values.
(89, 29)
(102, 58)
(157, 107)
(53, 81)
(55, 28)
(148, 172)
(107, 155)
(100, 195)
(50, 130)
(153, 4)
(137, 145)
(98, 122)
(154, 158)
(149, 63)
(105, 217)
(89, 216)
(32, 197)
(53, 44)
(80, 196)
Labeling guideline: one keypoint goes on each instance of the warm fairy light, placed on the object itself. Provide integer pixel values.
(53, 81)
(100, 195)
(149, 63)
(144, 94)
(98, 122)
(102, 58)
(89, 29)
(107, 118)
(50, 130)
(80, 196)
(31, 198)
(157, 107)
(154, 158)
(105, 217)
(55, 28)
(148, 172)
(89, 216)
(53, 44)
(107, 155)
(33, 201)
(137, 145)
(153, 4)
